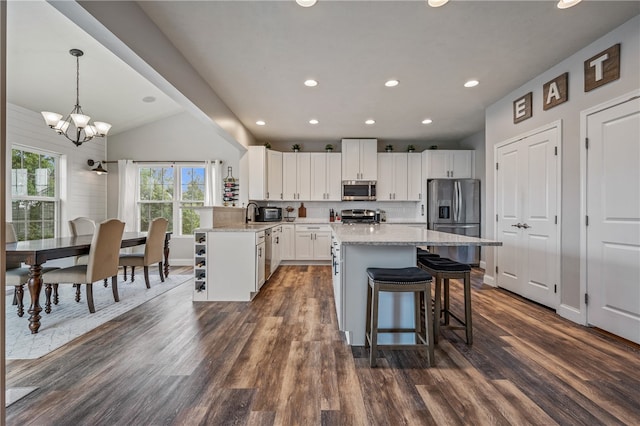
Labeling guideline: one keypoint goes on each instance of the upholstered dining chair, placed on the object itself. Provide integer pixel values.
(82, 226)
(102, 263)
(17, 276)
(153, 251)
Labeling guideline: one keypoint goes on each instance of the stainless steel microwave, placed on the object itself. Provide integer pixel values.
(269, 214)
(358, 190)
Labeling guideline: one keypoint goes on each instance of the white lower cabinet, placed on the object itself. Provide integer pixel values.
(288, 242)
(235, 265)
(312, 242)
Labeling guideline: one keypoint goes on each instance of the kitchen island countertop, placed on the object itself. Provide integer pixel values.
(398, 234)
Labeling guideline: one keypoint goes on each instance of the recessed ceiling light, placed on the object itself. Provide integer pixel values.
(261, 122)
(149, 99)
(313, 121)
(437, 3)
(311, 83)
(392, 83)
(370, 121)
(565, 4)
(471, 83)
(306, 3)
(427, 121)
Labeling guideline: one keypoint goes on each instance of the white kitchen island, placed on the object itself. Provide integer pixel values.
(357, 247)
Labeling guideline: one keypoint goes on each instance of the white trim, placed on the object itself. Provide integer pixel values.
(549, 126)
(581, 312)
(489, 280)
(570, 313)
(483, 264)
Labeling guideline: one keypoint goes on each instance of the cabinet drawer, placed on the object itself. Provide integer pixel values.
(259, 237)
(313, 228)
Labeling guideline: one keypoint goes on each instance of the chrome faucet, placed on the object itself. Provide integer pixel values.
(246, 218)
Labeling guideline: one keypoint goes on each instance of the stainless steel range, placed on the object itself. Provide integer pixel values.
(359, 216)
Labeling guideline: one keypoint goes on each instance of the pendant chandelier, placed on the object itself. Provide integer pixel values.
(82, 130)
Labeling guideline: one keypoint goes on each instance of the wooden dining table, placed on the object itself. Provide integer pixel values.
(36, 252)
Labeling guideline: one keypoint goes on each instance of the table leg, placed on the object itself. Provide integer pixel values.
(35, 285)
(166, 256)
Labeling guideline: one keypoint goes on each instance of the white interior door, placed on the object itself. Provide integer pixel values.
(613, 209)
(527, 179)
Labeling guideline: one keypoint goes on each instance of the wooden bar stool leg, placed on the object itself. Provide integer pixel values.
(367, 332)
(437, 309)
(446, 301)
(429, 336)
(417, 296)
(374, 326)
(467, 307)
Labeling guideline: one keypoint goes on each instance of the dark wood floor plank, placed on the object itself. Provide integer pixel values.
(280, 360)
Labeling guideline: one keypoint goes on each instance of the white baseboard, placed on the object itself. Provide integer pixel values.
(571, 313)
(489, 280)
(181, 262)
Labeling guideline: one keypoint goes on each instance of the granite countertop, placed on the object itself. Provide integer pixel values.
(397, 234)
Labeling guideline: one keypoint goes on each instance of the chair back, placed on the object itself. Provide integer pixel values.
(154, 248)
(105, 250)
(11, 237)
(82, 226)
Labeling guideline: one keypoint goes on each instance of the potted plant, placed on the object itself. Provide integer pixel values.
(295, 147)
(388, 148)
(411, 148)
(267, 145)
(328, 147)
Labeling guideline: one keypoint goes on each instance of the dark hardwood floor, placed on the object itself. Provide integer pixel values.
(281, 360)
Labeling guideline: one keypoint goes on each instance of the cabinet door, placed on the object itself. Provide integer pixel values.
(438, 164)
(304, 245)
(400, 176)
(288, 243)
(322, 246)
(289, 176)
(318, 176)
(257, 173)
(461, 164)
(384, 186)
(260, 262)
(350, 159)
(274, 172)
(414, 177)
(369, 159)
(303, 164)
(334, 176)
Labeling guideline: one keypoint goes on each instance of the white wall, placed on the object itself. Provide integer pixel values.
(500, 127)
(178, 138)
(83, 192)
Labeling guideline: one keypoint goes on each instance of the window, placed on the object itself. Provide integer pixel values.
(171, 192)
(34, 193)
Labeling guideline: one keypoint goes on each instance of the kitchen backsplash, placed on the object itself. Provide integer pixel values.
(396, 211)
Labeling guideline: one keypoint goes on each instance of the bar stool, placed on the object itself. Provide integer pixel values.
(443, 270)
(411, 279)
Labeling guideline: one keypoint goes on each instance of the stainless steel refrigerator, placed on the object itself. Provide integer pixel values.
(453, 205)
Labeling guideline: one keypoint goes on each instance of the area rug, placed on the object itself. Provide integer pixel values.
(70, 319)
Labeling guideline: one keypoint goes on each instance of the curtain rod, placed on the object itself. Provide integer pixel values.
(156, 161)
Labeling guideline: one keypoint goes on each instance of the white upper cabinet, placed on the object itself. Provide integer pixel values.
(392, 177)
(359, 159)
(265, 174)
(296, 176)
(274, 175)
(448, 164)
(414, 176)
(326, 176)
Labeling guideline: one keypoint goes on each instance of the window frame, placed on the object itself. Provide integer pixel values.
(56, 199)
(177, 201)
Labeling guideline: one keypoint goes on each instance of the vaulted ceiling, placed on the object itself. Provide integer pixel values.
(257, 54)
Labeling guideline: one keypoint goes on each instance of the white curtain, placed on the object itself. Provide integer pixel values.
(127, 185)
